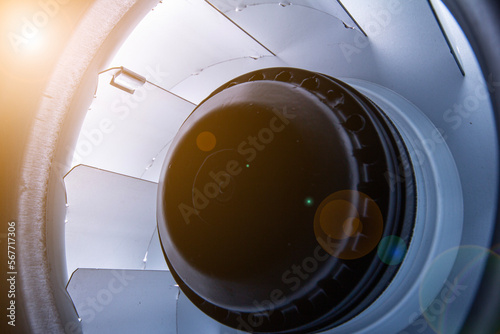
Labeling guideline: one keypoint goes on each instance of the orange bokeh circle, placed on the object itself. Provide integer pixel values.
(348, 224)
(206, 141)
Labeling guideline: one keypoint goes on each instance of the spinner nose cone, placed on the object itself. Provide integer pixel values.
(273, 184)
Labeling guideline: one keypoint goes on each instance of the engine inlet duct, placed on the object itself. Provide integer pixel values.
(274, 199)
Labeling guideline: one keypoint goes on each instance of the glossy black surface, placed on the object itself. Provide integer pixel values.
(240, 192)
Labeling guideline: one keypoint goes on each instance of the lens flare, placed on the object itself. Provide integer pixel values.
(440, 304)
(206, 141)
(348, 224)
(34, 35)
(352, 226)
(392, 250)
(309, 202)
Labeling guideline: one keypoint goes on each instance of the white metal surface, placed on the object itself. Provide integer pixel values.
(182, 38)
(126, 133)
(111, 220)
(125, 301)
